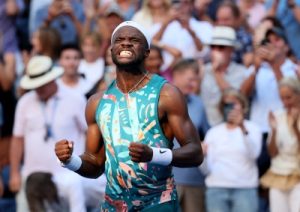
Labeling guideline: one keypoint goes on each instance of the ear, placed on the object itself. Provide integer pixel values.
(147, 52)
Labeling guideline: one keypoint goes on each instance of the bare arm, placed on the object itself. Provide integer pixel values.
(94, 157)
(7, 71)
(272, 147)
(15, 157)
(174, 104)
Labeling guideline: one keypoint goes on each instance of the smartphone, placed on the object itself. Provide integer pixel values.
(226, 110)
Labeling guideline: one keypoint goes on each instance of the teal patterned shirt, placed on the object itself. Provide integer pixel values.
(124, 118)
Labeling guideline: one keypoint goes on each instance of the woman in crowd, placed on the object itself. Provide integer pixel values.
(232, 148)
(46, 41)
(283, 177)
(152, 14)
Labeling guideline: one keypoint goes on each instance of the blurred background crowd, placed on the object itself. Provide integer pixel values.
(237, 62)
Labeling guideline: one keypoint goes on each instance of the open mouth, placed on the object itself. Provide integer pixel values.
(125, 54)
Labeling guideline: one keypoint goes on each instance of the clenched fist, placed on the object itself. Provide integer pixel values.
(140, 152)
(64, 150)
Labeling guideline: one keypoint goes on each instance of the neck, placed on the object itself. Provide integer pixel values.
(128, 82)
(70, 79)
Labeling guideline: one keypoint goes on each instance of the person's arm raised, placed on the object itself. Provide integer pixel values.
(92, 163)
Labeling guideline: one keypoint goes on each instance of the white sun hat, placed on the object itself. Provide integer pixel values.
(40, 71)
(224, 36)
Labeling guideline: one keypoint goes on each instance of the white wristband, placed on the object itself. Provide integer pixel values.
(161, 156)
(73, 164)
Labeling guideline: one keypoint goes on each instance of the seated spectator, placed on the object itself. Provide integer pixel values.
(228, 14)
(65, 16)
(221, 73)
(190, 181)
(283, 177)
(232, 149)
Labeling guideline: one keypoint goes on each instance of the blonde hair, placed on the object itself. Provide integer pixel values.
(291, 83)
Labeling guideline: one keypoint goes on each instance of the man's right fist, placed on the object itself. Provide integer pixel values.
(64, 150)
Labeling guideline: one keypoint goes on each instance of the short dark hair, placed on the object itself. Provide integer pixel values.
(68, 46)
(156, 48)
(185, 64)
(234, 8)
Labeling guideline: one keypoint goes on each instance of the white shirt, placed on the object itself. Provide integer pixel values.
(231, 156)
(64, 112)
(266, 95)
(287, 161)
(93, 72)
(211, 94)
(180, 38)
(82, 87)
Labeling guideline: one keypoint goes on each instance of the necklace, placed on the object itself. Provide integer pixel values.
(134, 86)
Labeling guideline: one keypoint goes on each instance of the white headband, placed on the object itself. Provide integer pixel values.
(134, 25)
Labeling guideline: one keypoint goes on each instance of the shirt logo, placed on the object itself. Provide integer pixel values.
(162, 151)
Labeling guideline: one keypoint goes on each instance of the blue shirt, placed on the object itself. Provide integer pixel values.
(62, 23)
(192, 176)
(290, 24)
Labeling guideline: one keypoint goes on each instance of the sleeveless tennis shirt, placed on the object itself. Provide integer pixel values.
(124, 118)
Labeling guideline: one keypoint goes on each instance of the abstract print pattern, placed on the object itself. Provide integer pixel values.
(124, 118)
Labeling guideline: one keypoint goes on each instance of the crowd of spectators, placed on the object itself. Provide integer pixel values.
(237, 62)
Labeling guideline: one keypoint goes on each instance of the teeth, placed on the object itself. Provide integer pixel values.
(125, 53)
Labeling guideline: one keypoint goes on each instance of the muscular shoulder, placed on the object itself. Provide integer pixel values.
(171, 99)
(91, 107)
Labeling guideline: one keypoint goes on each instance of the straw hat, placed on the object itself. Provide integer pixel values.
(40, 71)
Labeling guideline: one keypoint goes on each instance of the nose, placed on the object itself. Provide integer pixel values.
(126, 42)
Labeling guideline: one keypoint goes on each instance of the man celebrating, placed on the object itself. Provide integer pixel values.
(131, 128)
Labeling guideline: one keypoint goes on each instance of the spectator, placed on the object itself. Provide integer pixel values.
(271, 65)
(252, 11)
(190, 33)
(222, 73)
(7, 108)
(154, 61)
(228, 14)
(232, 149)
(288, 14)
(8, 12)
(92, 64)
(283, 177)
(152, 14)
(65, 16)
(44, 114)
(46, 41)
(201, 10)
(260, 32)
(71, 79)
(42, 193)
(190, 181)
